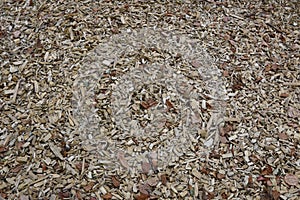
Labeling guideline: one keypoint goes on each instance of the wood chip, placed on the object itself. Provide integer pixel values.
(56, 151)
(196, 173)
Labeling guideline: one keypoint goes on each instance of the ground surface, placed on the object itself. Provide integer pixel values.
(46, 46)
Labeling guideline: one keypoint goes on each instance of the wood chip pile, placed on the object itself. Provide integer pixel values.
(152, 91)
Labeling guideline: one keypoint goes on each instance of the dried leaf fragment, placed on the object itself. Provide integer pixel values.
(291, 179)
(163, 178)
(79, 166)
(169, 104)
(115, 181)
(148, 104)
(266, 194)
(142, 197)
(283, 94)
(63, 195)
(144, 189)
(250, 181)
(220, 176)
(225, 73)
(38, 44)
(293, 113)
(152, 181)
(122, 160)
(2, 33)
(261, 178)
(282, 136)
(204, 170)
(16, 169)
(3, 149)
(146, 167)
(195, 64)
(267, 171)
(107, 196)
(3, 195)
(275, 194)
(79, 195)
(24, 197)
(207, 194)
(89, 186)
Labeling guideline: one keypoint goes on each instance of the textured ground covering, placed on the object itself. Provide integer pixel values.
(46, 46)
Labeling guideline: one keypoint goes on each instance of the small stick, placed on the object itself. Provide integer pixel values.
(273, 27)
(235, 16)
(292, 84)
(16, 92)
(82, 166)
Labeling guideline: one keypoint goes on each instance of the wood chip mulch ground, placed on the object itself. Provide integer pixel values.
(46, 46)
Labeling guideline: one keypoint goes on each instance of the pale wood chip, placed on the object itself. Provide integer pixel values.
(56, 150)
